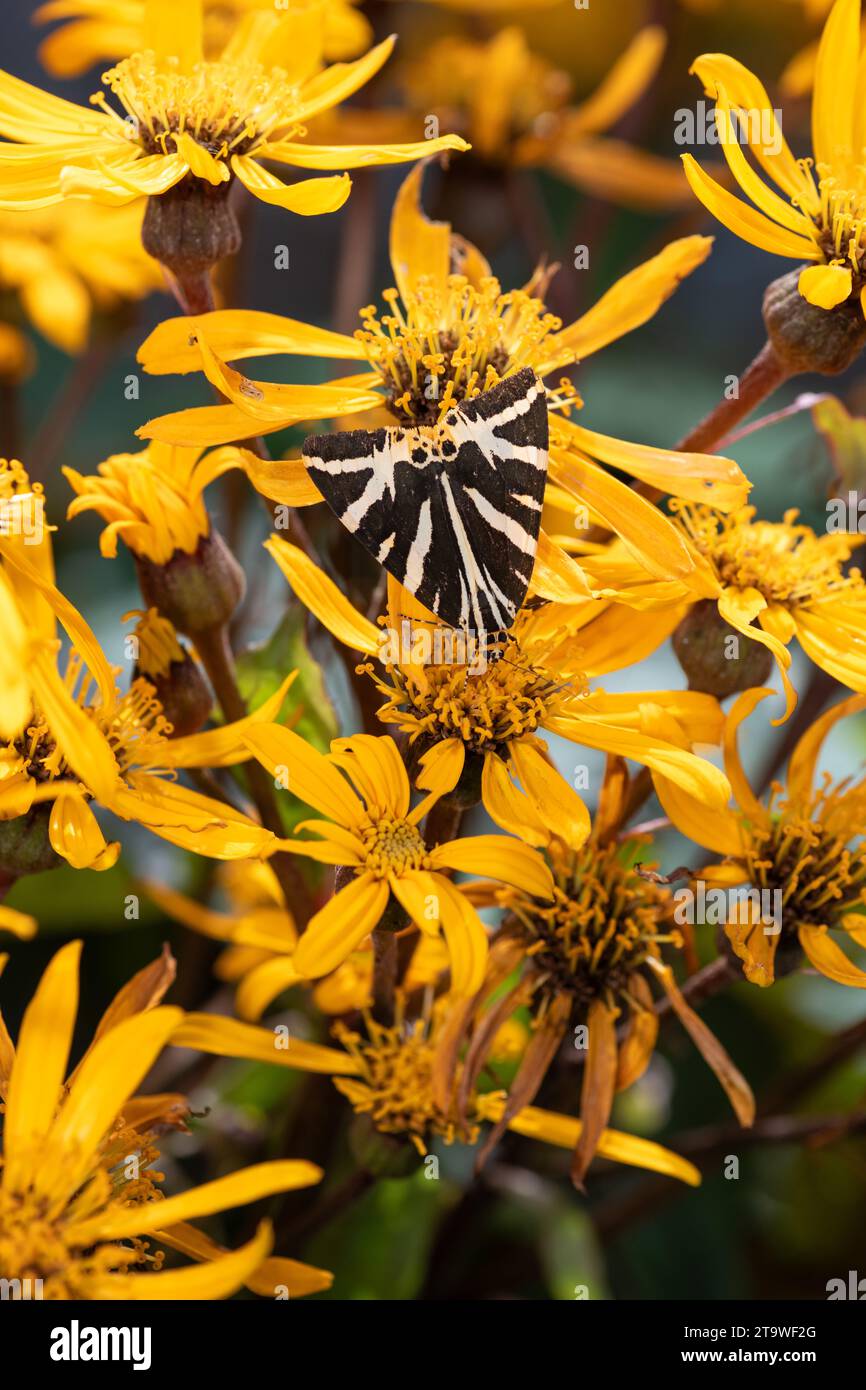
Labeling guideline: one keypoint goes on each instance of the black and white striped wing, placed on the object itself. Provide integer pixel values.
(452, 511)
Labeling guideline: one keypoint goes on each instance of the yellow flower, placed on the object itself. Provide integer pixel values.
(184, 118)
(770, 581)
(820, 216)
(262, 938)
(72, 1216)
(65, 265)
(94, 30)
(393, 1076)
(152, 500)
(512, 105)
(587, 959)
(363, 791)
(69, 736)
(446, 338)
(478, 723)
(796, 846)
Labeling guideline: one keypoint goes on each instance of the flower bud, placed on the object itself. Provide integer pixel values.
(168, 667)
(196, 592)
(806, 338)
(191, 228)
(25, 847)
(716, 658)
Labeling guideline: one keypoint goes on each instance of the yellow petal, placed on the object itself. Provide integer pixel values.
(825, 286)
(442, 766)
(499, 857)
(229, 1037)
(111, 1071)
(555, 575)
(217, 1279)
(553, 798)
(418, 246)
(739, 607)
(237, 333)
(309, 198)
(324, 599)
(801, 769)
(223, 747)
(282, 480)
(305, 156)
(377, 770)
(175, 31)
(341, 80)
(272, 1276)
(625, 81)
(118, 184)
(743, 220)
(20, 924)
(201, 162)
(509, 807)
(310, 776)
(75, 834)
(766, 141)
(340, 926)
(740, 710)
(465, 938)
(823, 953)
(718, 482)
(40, 1067)
(235, 1190)
(634, 299)
(776, 208)
(260, 986)
(564, 1132)
(835, 85)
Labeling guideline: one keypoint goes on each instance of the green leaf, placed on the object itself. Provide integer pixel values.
(261, 669)
(845, 437)
(569, 1253)
(379, 1248)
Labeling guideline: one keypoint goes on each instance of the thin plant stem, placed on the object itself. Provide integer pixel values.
(761, 378)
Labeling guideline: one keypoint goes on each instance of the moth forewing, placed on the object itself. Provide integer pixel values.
(452, 510)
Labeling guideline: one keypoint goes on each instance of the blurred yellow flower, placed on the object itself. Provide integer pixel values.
(79, 1202)
(261, 935)
(513, 107)
(93, 30)
(65, 265)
